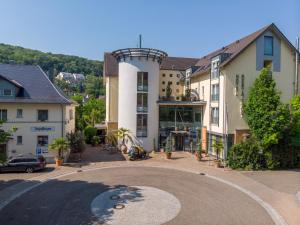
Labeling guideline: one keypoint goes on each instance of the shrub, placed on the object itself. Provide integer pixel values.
(76, 141)
(89, 133)
(95, 140)
(2, 158)
(247, 155)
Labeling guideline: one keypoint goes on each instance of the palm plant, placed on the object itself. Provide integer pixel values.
(60, 145)
(124, 134)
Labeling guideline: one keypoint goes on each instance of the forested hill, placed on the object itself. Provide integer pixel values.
(50, 63)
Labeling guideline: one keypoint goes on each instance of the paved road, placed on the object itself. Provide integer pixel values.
(68, 199)
(12, 178)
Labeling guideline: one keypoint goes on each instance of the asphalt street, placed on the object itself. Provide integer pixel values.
(67, 201)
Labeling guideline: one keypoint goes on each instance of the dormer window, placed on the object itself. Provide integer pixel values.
(7, 92)
(268, 45)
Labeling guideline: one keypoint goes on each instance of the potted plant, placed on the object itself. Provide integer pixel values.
(60, 145)
(168, 148)
(199, 152)
(218, 148)
(124, 134)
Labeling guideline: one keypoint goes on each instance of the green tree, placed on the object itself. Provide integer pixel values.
(266, 116)
(94, 108)
(94, 86)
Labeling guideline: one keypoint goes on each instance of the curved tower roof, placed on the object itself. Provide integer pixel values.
(148, 53)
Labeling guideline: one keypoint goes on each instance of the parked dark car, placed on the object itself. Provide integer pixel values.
(27, 164)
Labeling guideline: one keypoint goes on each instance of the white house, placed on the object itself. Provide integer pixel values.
(33, 105)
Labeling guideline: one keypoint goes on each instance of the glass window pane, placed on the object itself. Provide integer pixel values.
(268, 45)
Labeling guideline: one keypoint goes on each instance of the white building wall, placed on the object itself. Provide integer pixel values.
(26, 126)
(127, 112)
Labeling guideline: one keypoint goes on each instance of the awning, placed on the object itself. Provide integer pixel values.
(182, 103)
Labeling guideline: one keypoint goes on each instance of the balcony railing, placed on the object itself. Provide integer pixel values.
(215, 97)
(142, 88)
(142, 109)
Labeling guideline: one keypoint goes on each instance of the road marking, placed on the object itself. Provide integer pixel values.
(275, 216)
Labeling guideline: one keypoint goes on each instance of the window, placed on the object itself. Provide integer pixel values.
(215, 92)
(142, 102)
(71, 114)
(177, 83)
(215, 115)
(19, 140)
(3, 114)
(215, 70)
(170, 82)
(178, 75)
(268, 45)
(19, 113)
(141, 125)
(42, 115)
(242, 84)
(7, 92)
(171, 75)
(177, 98)
(163, 90)
(163, 75)
(142, 81)
(42, 140)
(163, 82)
(237, 80)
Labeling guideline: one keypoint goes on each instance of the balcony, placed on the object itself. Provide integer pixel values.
(215, 97)
(142, 88)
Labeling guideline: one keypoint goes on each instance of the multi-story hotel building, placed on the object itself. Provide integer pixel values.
(35, 107)
(207, 93)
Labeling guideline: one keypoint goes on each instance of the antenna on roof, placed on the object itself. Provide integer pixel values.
(140, 41)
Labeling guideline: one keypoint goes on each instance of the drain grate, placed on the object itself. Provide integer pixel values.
(119, 206)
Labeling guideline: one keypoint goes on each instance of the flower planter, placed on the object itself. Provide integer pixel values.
(58, 162)
(168, 155)
(198, 156)
(217, 163)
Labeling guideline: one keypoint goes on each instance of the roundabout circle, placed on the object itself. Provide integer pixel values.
(135, 205)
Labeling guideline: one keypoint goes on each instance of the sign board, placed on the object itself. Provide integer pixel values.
(42, 129)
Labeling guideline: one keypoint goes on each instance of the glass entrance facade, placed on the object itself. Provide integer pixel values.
(174, 118)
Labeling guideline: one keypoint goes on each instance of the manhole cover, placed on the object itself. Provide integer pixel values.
(119, 206)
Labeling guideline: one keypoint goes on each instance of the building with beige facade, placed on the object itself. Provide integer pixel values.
(37, 110)
(208, 93)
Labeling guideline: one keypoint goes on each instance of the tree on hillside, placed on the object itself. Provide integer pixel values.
(267, 117)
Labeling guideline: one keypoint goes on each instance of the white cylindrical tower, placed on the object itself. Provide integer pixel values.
(139, 92)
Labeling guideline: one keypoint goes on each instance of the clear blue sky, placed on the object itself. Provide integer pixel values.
(190, 28)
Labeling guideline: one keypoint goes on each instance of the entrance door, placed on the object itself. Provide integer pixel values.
(179, 142)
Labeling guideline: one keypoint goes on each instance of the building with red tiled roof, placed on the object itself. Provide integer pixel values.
(202, 99)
